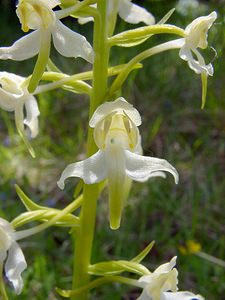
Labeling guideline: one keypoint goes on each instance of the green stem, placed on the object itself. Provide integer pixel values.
(99, 282)
(84, 238)
(118, 82)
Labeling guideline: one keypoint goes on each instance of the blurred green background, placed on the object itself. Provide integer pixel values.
(168, 96)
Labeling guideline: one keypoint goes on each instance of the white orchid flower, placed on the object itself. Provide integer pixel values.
(180, 296)
(11, 255)
(196, 37)
(14, 97)
(128, 11)
(163, 279)
(117, 137)
(39, 16)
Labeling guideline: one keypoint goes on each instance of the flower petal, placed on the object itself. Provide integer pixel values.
(134, 14)
(91, 170)
(165, 268)
(7, 101)
(71, 44)
(140, 167)
(26, 47)
(180, 296)
(32, 113)
(14, 266)
(10, 91)
(120, 105)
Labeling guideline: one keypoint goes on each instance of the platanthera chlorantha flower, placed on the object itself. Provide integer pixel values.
(14, 97)
(39, 16)
(162, 285)
(118, 159)
(163, 279)
(11, 255)
(128, 11)
(196, 37)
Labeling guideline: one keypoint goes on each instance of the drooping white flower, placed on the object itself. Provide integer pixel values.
(14, 97)
(196, 37)
(39, 16)
(180, 296)
(117, 136)
(11, 256)
(163, 279)
(162, 285)
(128, 11)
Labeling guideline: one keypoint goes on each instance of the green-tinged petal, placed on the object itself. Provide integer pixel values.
(91, 170)
(140, 168)
(14, 266)
(134, 14)
(115, 165)
(71, 44)
(204, 78)
(119, 106)
(26, 47)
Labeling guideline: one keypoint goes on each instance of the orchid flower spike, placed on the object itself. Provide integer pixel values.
(119, 156)
(14, 97)
(128, 11)
(196, 37)
(11, 256)
(39, 16)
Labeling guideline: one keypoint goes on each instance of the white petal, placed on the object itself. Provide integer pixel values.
(14, 266)
(180, 296)
(26, 47)
(71, 44)
(134, 14)
(10, 91)
(185, 53)
(32, 113)
(119, 105)
(165, 268)
(140, 167)
(91, 170)
(8, 101)
(198, 68)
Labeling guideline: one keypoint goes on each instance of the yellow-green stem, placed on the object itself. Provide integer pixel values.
(84, 238)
